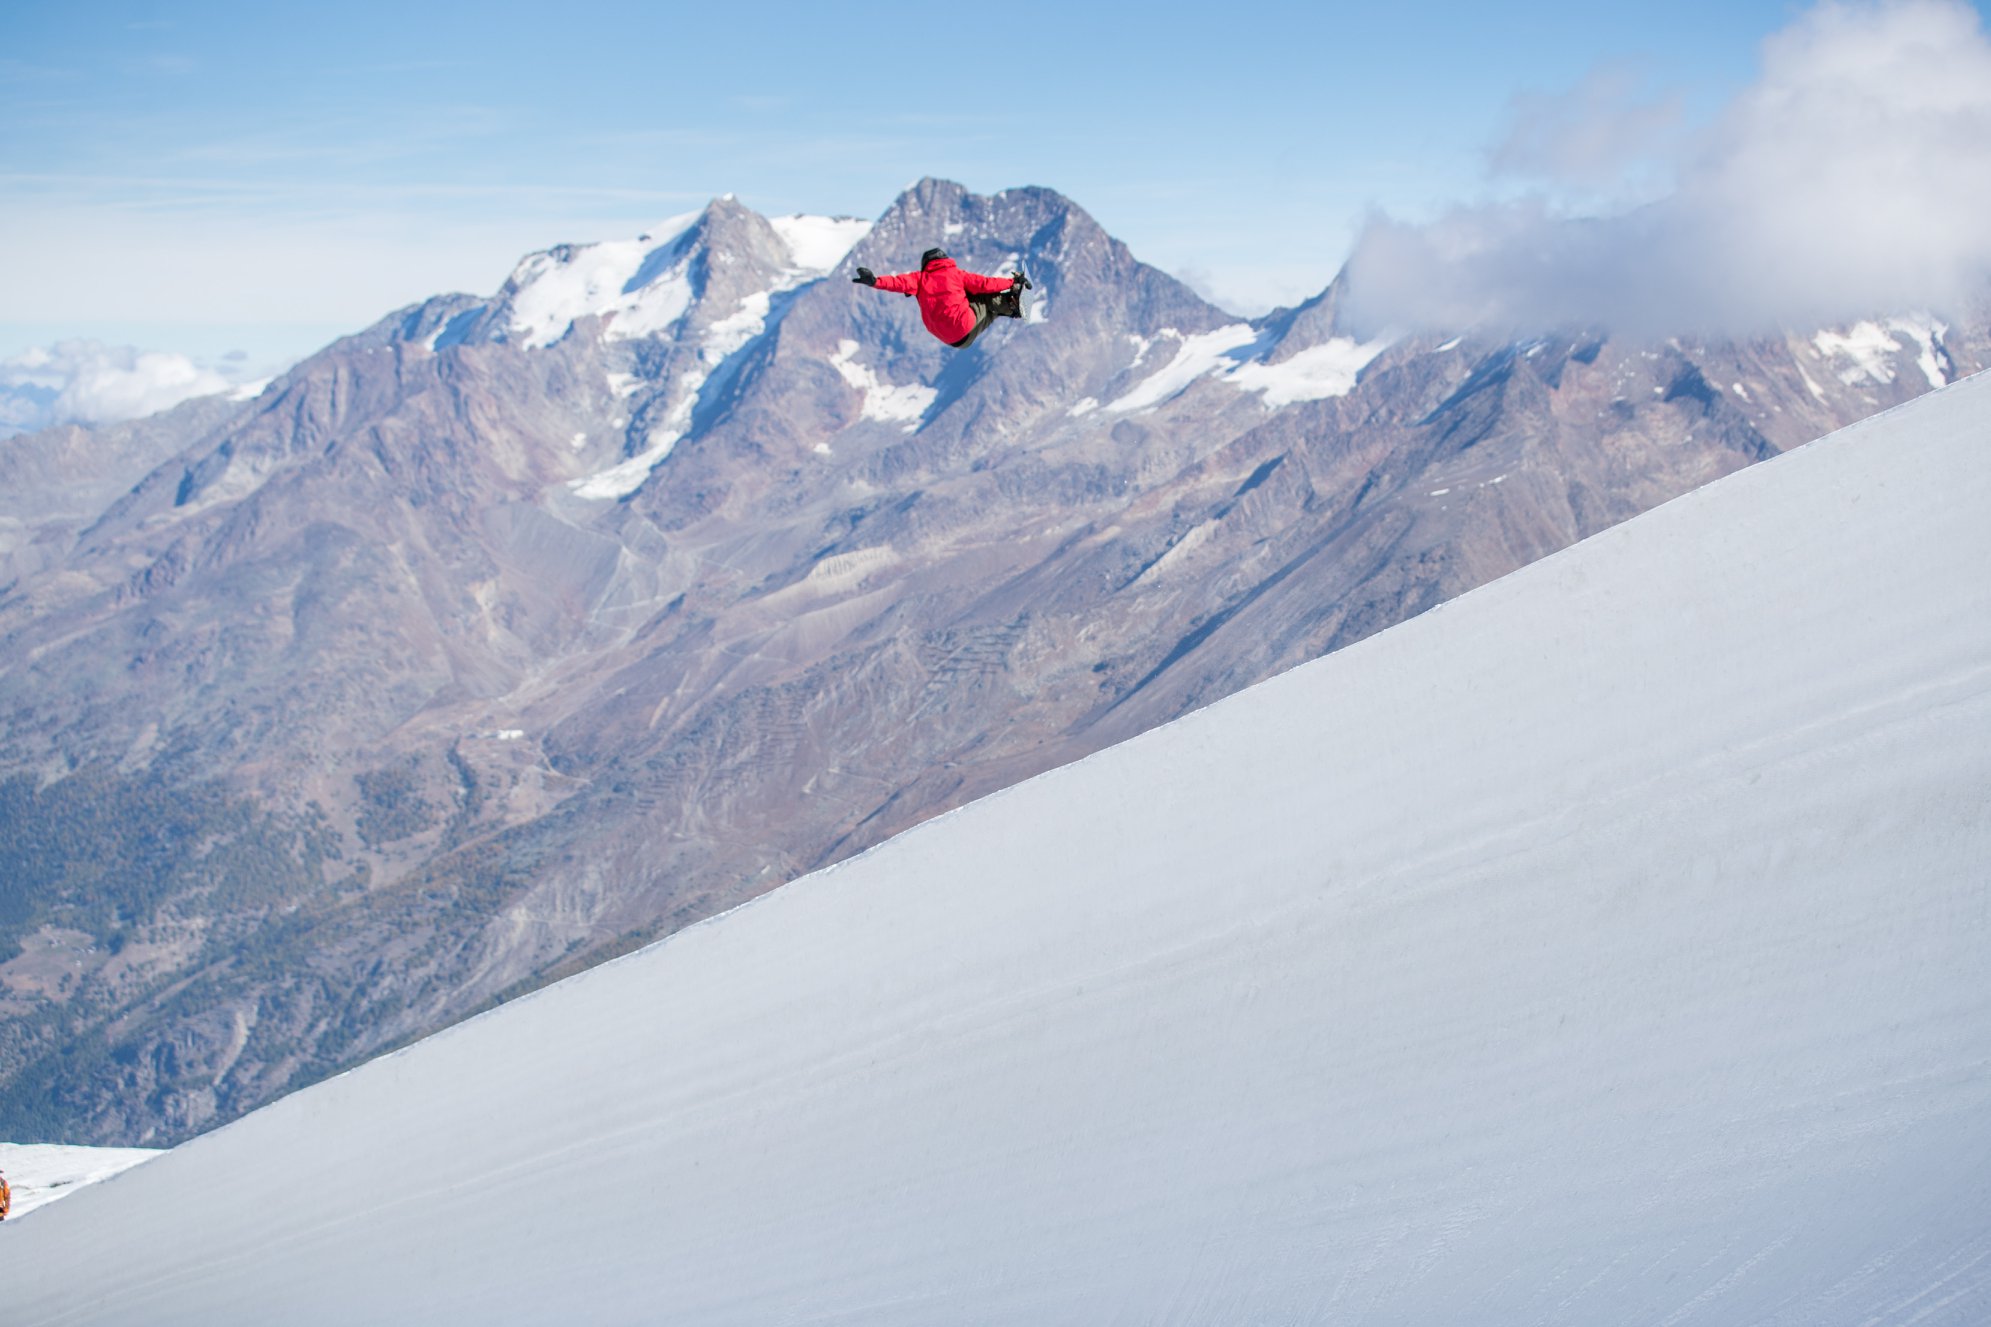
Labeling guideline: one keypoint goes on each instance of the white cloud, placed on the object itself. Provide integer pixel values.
(1852, 177)
(87, 382)
(1601, 138)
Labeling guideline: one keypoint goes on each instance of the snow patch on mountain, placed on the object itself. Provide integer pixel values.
(882, 401)
(553, 288)
(1195, 356)
(654, 307)
(624, 478)
(1233, 354)
(1870, 346)
(643, 286)
(817, 244)
(1867, 345)
(1314, 374)
(726, 336)
(1927, 334)
(719, 341)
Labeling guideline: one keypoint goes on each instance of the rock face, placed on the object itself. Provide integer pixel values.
(511, 633)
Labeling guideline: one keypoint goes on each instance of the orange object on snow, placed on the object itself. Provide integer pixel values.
(6, 1198)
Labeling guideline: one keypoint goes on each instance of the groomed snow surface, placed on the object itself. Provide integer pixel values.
(40, 1173)
(1606, 946)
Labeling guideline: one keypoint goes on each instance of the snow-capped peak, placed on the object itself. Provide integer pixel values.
(735, 311)
(641, 281)
(643, 285)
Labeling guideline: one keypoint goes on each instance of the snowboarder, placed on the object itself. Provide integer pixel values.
(955, 305)
(6, 1197)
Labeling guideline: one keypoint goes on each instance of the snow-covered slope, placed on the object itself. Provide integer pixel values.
(40, 1173)
(1606, 946)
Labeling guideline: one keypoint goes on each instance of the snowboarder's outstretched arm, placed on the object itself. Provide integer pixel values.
(977, 284)
(905, 283)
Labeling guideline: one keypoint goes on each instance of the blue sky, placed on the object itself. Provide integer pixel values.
(198, 177)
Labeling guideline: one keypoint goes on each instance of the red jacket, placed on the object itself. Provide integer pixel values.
(943, 290)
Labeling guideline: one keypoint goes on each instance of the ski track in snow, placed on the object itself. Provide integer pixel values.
(1604, 946)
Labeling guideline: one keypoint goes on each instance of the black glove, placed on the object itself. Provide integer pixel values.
(865, 277)
(1021, 281)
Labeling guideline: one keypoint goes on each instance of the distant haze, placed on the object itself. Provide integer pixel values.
(1852, 177)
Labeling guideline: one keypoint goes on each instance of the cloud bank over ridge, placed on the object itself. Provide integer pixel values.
(88, 382)
(1852, 177)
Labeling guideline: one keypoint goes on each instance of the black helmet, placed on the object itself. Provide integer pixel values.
(926, 259)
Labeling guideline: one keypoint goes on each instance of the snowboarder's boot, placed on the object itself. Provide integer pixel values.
(1010, 303)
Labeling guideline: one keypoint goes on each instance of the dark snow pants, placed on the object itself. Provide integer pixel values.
(988, 308)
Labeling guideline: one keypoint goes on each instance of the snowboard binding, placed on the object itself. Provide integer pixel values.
(1010, 303)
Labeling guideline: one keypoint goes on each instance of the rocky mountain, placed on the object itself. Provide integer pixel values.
(511, 633)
